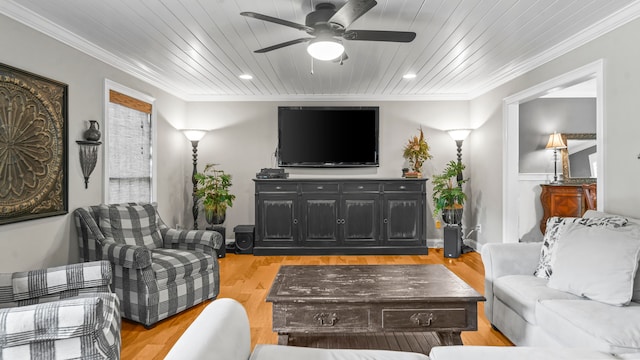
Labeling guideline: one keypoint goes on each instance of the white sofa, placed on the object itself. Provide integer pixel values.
(222, 332)
(530, 313)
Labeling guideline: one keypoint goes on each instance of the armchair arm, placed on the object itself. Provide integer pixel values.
(506, 259)
(57, 281)
(209, 238)
(56, 320)
(128, 256)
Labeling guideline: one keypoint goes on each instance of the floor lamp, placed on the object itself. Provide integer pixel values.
(194, 135)
(555, 143)
(458, 135)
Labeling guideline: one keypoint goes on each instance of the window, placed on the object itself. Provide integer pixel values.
(129, 146)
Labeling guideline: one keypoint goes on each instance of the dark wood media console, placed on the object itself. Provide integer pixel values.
(340, 216)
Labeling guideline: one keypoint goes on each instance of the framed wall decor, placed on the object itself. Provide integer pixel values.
(33, 146)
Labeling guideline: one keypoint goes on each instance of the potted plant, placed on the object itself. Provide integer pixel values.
(416, 152)
(448, 196)
(213, 191)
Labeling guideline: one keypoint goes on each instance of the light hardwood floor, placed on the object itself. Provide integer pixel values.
(248, 278)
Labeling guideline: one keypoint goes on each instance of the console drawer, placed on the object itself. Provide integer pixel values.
(277, 187)
(424, 318)
(403, 186)
(326, 318)
(358, 188)
(320, 188)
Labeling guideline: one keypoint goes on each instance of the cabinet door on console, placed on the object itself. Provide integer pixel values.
(360, 219)
(402, 218)
(319, 219)
(279, 219)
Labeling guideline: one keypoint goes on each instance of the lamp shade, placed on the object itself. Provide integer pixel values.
(194, 134)
(459, 134)
(555, 142)
(325, 49)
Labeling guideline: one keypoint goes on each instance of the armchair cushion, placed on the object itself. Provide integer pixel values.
(131, 224)
(170, 265)
(61, 279)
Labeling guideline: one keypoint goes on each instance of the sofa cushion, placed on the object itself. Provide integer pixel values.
(632, 221)
(598, 263)
(512, 353)
(131, 224)
(591, 324)
(556, 226)
(172, 264)
(522, 292)
(280, 352)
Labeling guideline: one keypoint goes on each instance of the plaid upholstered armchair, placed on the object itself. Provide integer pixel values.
(158, 271)
(64, 312)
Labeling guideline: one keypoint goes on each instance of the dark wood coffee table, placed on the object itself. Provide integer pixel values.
(392, 307)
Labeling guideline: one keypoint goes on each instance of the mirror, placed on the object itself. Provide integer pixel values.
(579, 158)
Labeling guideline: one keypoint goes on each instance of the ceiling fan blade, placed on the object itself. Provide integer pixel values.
(281, 45)
(351, 11)
(276, 20)
(379, 35)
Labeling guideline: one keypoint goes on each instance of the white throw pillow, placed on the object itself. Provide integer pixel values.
(554, 230)
(599, 263)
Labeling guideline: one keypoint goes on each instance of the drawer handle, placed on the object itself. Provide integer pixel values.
(278, 187)
(326, 319)
(402, 187)
(422, 319)
(386, 221)
(320, 187)
(295, 221)
(360, 187)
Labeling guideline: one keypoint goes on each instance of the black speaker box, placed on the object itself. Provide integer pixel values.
(452, 241)
(244, 239)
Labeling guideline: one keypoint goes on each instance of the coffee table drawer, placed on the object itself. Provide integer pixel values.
(424, 318)
(313, 317)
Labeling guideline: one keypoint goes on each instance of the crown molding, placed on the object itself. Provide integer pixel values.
(508, 73)
(27, 17)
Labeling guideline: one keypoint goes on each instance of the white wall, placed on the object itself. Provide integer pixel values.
(52, 241)
(621, 127)
(245, 137)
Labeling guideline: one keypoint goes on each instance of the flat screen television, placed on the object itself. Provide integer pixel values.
(328, 136)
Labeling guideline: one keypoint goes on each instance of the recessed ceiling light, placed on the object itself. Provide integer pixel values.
(409, 76)
(245, 77)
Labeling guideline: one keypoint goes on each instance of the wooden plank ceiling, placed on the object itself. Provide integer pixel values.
(196, 49)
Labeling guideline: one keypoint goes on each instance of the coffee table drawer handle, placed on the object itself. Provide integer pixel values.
(326, 319)
(422, 319)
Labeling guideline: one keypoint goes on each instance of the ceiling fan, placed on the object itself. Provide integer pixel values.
(327, 25)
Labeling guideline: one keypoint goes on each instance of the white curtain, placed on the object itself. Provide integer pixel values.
(129, 142)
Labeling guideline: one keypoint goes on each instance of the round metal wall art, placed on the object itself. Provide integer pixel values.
(33, 146)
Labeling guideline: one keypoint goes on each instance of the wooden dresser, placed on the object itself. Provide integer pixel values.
(561, 200)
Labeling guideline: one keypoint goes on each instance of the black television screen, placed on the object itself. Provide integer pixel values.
(327, 136)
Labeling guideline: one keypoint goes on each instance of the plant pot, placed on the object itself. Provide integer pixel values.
(214, 218)
(452, 216)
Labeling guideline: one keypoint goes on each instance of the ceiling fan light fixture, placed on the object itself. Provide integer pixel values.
(325, 49)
